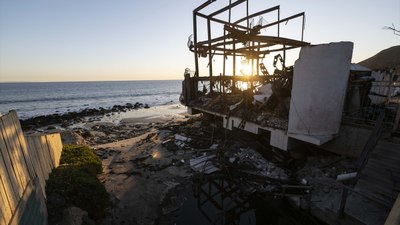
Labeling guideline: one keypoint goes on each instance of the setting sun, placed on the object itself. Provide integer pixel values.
(245, 69)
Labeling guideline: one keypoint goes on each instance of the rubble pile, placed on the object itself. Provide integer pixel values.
(158, 166)
(249, 161)
(245, 106)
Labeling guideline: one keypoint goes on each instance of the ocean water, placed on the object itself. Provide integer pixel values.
(33, 99)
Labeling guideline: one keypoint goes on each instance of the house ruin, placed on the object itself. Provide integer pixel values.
(287, 104)
(244, 78)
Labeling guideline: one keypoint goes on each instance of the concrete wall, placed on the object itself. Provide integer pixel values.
(319, 88)
(350, 141)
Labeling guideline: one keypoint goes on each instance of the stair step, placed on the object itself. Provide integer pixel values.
(389, 144)
(381, 167)
(384, 182)
(376, 190)
(394, 154)
(387, 147)
(387, 202)
(382, 173)
(388, 158)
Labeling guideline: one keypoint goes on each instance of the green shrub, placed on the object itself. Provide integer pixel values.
(76, 182)
(81, 156)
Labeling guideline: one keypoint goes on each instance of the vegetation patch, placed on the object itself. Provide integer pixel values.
(74, 183)
(81, 157)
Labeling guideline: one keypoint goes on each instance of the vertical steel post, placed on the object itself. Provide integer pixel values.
(210, 64)
(233, 52)
(279, 16)
(302, 28)
(196, 59)
(258, 59)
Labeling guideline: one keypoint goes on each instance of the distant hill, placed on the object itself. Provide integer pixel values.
(385, 59)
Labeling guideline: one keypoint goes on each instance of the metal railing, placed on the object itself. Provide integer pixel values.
(365, 100)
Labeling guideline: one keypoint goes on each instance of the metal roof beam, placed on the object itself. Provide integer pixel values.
(258, 14)
(238, 2)
(202, 6)
(283, 20)
(218, 20)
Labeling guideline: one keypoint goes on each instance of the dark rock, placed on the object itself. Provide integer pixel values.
(72, 138)
(170, 145)
(87, 134)
(51, 128)
(71, 117)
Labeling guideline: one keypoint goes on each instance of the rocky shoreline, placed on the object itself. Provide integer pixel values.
(69, 118)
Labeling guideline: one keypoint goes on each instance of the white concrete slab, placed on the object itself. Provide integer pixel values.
(319, 88)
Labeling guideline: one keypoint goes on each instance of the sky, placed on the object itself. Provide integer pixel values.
(100, 40)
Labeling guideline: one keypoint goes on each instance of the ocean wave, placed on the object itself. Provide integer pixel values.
(72, 98)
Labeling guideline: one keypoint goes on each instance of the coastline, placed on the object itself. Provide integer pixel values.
(127, 113)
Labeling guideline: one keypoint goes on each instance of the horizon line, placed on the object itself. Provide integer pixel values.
(76, 81)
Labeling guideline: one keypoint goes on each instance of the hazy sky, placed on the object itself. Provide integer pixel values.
(72, 40)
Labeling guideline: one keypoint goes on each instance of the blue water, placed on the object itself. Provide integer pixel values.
(33, 99)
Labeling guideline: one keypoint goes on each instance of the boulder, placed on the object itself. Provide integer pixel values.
(72, 138)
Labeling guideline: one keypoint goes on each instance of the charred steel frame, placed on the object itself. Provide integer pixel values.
(232, 44)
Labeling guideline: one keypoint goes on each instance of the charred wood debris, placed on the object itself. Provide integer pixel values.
(266, 102)
(246, 161)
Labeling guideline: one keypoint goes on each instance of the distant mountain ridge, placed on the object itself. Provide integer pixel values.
(385, 59)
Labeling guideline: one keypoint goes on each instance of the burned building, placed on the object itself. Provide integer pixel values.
(243, 77)
(287, 104)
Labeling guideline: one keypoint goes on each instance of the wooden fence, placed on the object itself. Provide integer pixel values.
(25, 164)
